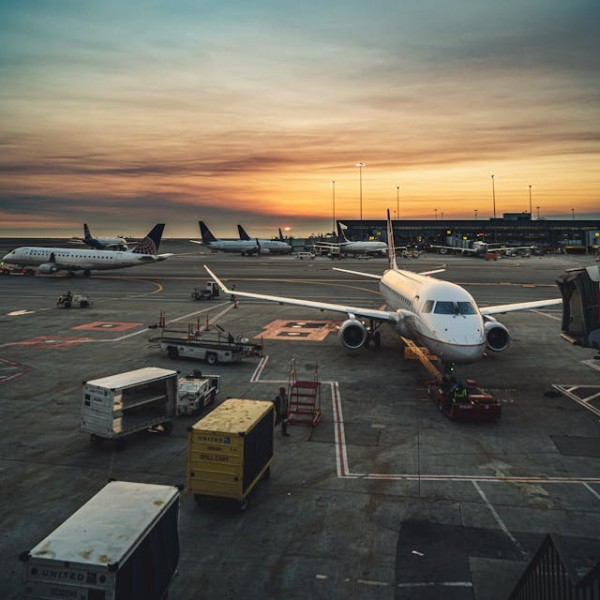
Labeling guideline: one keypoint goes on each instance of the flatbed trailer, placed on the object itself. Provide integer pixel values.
(477, 406)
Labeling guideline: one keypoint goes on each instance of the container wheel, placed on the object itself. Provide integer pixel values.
(173, 352)
(211, 399)
(67, 305)
(211, 358)
(167, 427)
(243, 503)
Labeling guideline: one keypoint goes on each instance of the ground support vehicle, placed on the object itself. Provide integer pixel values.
(10, 270)
(123, 543)
(196, 392)
(208, 292)
(477, 406)
(231, 449)
(120, 405)
(68, 300)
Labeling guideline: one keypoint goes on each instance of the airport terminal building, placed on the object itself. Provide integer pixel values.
(552, 235)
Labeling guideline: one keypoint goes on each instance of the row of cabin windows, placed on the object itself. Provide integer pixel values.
(47, 254)
(443, 307)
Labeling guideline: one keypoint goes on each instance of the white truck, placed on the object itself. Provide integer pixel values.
(122, 543)
(144, 399)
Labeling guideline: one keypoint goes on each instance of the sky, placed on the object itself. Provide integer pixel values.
(124, 114)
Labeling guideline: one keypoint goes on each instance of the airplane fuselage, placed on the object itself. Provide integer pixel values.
(364, 247)
(439, 315)
(66, 259)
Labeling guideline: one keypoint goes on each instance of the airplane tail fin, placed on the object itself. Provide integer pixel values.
(151, 242)
(281, 238)
(390, 242)
(86, 232)
(205, 233)
(243, 235)
(341, 234)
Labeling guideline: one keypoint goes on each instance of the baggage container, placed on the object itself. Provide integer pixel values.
(122, 404)
(123, 543)
(231, 449)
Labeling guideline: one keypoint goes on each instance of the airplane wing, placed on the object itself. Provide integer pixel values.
(196, 242)
(381, 315)
(504, 308)
(160, 257)
(454, 249)
(379, 276)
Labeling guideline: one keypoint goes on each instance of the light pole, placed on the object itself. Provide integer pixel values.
(530, 211)
(333, 199)
(360, 166)
(435, 209)
(572, 214)
(538, 212)
(494, 196)
(476, 214)
(398, 200)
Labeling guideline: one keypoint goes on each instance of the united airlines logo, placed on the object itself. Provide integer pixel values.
(146, 247)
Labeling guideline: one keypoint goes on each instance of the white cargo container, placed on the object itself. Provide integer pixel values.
(122, 404)
(123, 543)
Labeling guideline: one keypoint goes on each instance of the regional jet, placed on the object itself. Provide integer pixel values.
(478, 248)
(52, 260)
(438, 315)
(243, 247)
(345, 246)
(267, 246)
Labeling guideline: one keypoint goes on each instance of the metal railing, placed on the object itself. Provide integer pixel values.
(550, 577)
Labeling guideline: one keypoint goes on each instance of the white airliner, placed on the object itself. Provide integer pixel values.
(52, 260)
(439, 315)
(243, 247)
(480, 248)
(345, 246)
(266, 246)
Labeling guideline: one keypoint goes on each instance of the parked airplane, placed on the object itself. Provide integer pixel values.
(51, 260)
(436, 314)
(267, 246)
(243, 247)
(345, 246)
(479, 248)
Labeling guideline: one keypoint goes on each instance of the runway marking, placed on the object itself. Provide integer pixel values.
(10, 369)
(106, 326)
(305, 330)
(545, 314)
(499, 520)
(46, 341)
(577, 393)
(591, 490)
(593, 364)
(259, 369)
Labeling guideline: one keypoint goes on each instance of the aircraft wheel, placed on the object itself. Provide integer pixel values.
(87, 273)
(167, 427)
(173, 352)
(211, 358)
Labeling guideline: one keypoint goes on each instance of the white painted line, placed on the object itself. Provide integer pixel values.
(259, 369)
(567, 389)
(499, 520)
(591, 490)
(435, 584)
(593, 364)
(341, 455)
(539, 312)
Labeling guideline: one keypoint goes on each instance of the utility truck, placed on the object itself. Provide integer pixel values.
(122, 543)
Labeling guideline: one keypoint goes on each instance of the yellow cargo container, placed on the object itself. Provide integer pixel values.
(231, 449)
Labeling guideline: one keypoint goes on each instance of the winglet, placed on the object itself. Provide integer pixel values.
(391, 245)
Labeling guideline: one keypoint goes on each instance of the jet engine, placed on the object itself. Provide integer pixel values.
(496, 335)
(353, 334)
(47, 268)
(264, 250)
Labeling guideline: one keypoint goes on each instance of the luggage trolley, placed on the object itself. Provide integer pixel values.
(304, 404)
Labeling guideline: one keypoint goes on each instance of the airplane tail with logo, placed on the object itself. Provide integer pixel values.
(87, 236)
(281, 238)
(243, 235)
(390, 242)
(151, 242)
(341, 234)
(205, 233)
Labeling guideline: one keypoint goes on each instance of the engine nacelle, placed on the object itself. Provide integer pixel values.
(48, 268)
(264, 251)
(353, 334)
(496, 335)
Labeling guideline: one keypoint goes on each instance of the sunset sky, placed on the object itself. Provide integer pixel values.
(123, 114)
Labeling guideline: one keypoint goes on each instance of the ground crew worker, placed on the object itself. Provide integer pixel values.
(281, 407)
(460, 393)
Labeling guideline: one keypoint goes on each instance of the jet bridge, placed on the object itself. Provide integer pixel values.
(580, 290)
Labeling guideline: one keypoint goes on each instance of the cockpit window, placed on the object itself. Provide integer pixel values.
(428, 306)
(443, 307)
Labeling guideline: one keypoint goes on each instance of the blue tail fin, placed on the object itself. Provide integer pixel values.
(243, 235)
(86, 232)
(390, 243)
(341, 234)
(151, 242)
(205, 233)
(281, 235)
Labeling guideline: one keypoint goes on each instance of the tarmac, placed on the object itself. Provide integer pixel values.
(385, 498)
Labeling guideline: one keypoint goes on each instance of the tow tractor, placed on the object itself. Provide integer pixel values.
(68, 300)
(475, 405)
(208, 292)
